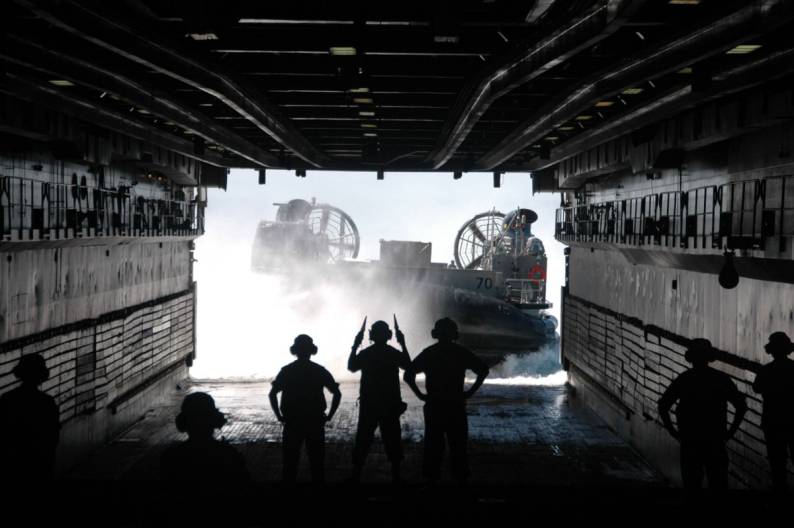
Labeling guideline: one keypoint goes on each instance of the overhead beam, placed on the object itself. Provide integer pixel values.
(58, 99)
(538, 9)
(723, 83)
(529, 61)
(136, 44)
(758, 17)
(63, 66)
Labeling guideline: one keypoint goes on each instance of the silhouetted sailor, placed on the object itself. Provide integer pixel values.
(201, 458)
(30, 425)
(444, 365)
(702, 394)
(302, 409)
(380, 401)
(775, 382)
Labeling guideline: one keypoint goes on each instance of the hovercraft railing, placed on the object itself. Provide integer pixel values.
(526, 292)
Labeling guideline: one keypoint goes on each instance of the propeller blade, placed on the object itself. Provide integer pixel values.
(474, 263)
(476, 232)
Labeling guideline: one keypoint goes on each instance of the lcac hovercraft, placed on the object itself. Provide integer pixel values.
(495, 289)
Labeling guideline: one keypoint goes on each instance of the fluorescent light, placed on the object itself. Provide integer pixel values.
(362, 89)
(446, 39)
(684, 2)
(362, 100)
(584, 117)
(604, 104)
(632, 91)
(293, 21)
(368, 125)
(61, 82)
(686, 70)
(743, 49)
(551, 138)
(342, 51)
(566, 128)
(370, 134)
(202, 36)
(366, 113)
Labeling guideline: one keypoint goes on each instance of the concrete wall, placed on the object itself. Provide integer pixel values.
(737, 321)
(625, 329)
(46, 288)
(105, 372)
(112, 316)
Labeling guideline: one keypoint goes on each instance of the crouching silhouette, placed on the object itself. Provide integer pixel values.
(202, 459)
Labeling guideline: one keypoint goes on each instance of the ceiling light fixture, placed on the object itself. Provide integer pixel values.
(61, 82)
(604, 104)
(632, 91)
(743, 49)
(342, 51)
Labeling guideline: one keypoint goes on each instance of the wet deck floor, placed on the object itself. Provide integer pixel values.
(519, 435)
(535, 453)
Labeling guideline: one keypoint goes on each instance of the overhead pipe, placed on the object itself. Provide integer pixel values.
(729, 81)
(530, 61)
(129, 42)
(88, 74)
(760, 16)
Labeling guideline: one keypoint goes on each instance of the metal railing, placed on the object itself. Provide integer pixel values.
(36, 210)
(525, 291)
(735, 215)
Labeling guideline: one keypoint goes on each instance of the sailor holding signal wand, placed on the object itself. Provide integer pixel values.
(380, 400)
